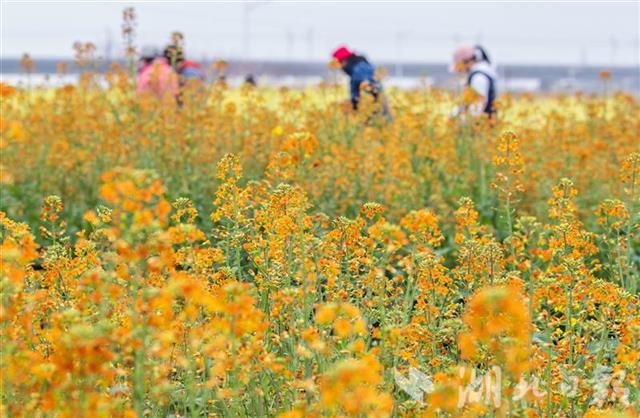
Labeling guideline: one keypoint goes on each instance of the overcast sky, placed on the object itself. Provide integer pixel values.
(604, 33)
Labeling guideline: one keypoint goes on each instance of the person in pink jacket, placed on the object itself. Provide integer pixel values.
(156, 76)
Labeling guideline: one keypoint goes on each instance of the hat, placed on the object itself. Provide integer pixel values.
(342, 53)
(149, 51)
(462, 55)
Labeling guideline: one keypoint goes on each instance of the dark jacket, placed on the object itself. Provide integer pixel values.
(360, 70)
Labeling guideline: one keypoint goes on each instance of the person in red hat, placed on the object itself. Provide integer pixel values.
(359, 71)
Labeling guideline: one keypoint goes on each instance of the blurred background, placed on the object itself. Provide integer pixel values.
(537, 46)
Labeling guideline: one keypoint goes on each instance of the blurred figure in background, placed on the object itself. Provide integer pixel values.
(474, 62)
(155, 75)
(186, 69)
(360, 71)
(250, 80)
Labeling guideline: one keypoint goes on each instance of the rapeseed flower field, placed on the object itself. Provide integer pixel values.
(266, 252)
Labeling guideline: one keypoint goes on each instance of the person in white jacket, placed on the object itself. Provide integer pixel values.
(481, 77)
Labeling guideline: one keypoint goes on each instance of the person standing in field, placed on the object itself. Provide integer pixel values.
(155, 75)
(360, 71)
(474, 63)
